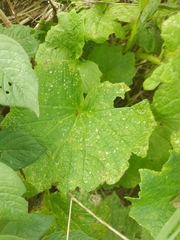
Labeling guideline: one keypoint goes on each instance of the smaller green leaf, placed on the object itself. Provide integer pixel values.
(165, 73)
(115, 66)
(90, 74)
(67, 36)
(170, 31)
(24, 36)
(99, 23)
(18, 149)
(12, 206)
(34, 229)
(123, 12)
(18, 82)
(73, 235)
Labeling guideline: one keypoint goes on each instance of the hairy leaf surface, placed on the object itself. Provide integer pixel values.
(84, 137)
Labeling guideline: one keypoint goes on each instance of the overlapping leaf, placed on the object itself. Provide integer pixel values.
(34, 229)
(170, 31)
(18, 82)
(115, 66)
(153, 208)
(24, 36)
(84, 137)
(12, 206)
(67, 36)
(18, 148)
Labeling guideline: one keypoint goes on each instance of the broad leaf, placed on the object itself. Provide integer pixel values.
(84, 137)
(34, 229)
(24, 36)
(175, 141)
(12, 206)
(115, 66)
(18, 82)
(18, 149)
(67, 36)
(170, 31)
(153, 208)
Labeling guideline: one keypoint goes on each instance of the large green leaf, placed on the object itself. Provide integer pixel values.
(115, 66)
(24, 35)
(18, 82)
(12, 206)
(34, 229)
(170, 31)
(153, 208)
(18, 149)
(67, 36)
(84, 137)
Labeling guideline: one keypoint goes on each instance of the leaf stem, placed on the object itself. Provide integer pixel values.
(148, 57)
(97, 218)
(69, 220)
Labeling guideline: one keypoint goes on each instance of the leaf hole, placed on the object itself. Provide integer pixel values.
(0, 87)
(7, 92)
(9, 83)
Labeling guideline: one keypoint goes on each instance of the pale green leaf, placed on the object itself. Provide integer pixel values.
(153, 208)
(90, 74)
(163, 74)
(12, 206)
(18, 149)
(83, 137)
(123, 12)
(170, 31)
(24, 35)
(67, 36)
(99, 23)
(18, 82)
(34, 229)
(115, 66)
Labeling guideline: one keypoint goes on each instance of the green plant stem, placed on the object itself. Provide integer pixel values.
(168, 227)
(148, 57)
